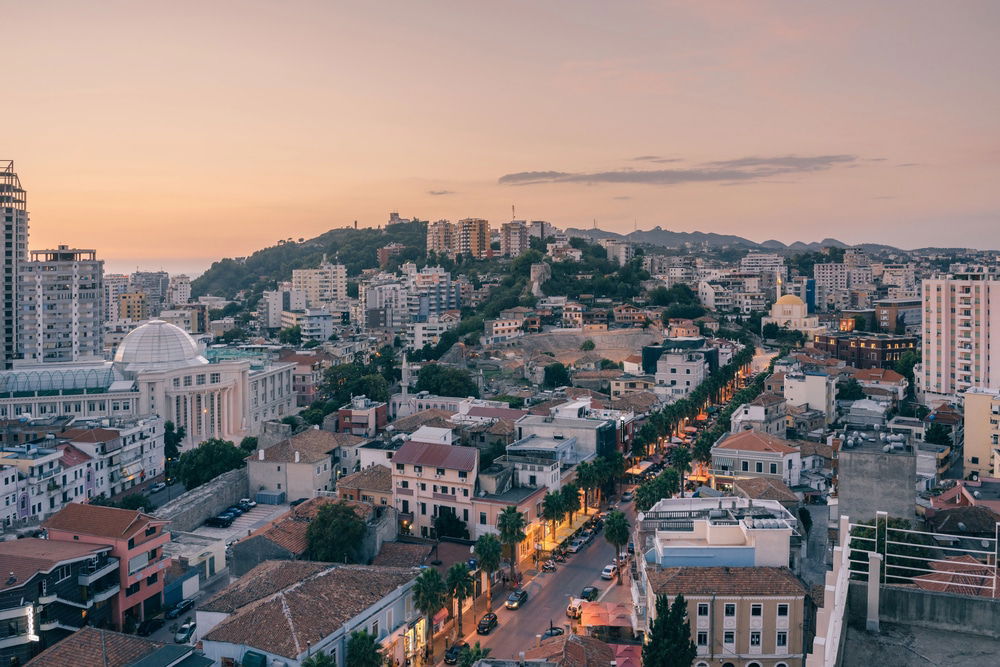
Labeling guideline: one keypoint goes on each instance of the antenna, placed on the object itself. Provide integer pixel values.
(595, 223)
(513, 215)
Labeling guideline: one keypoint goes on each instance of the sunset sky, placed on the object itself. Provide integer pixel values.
(170, 134)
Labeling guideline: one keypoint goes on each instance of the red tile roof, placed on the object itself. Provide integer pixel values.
(71, 456)
(765, 488)
(100, 521)
(430, 417)
(573, 651)
(739, 581)
(767, 398)
(752, 441)
(376, 478)
(90, 647)
(881, 375)
(402, 554)
(497, 413)
(89, 435)
(453, 457)
(962, 575)
(24, 558)
(312, 445)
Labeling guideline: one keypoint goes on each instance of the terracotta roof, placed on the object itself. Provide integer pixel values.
(24, 558)
(424, 417)
(502, 427)
(434, 455)
(312, 445)
(882, 375)
(100, 521)
(582, 392)
(752, 441)
(497, 413)
(637, 401)
(609, 374)
(962, 575)
(970, 519)
(90, 435)
(573, 651)
(738, 581)
(764, 488)
(71, 456)
(807, 448)
(402, 554)
(289, 534)
(376, 478)
(634, 359)
(307, 611)
(311, 508)
(767, 398)
(266, 579)
(777, 376)
(90, 647)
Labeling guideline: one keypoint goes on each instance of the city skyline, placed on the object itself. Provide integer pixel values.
(208, 131)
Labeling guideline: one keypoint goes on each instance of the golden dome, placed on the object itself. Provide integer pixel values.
(790, 300)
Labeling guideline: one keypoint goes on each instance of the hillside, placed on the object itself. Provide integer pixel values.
(668, 239)
(355, 248)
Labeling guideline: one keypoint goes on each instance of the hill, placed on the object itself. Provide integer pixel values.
(668, 239)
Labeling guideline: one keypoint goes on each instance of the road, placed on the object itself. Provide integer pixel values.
(161, 498)
(548, 595)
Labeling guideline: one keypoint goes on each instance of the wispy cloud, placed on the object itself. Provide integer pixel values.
(656, 158)
(909, 164)
(440, 193)
(622, 197)
(725, 171)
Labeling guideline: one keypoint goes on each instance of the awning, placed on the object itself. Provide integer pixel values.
(639, 468)
(441, 616)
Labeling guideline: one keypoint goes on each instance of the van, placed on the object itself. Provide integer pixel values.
(574, 607)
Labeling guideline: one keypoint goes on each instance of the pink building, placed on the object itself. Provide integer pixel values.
(136, 540)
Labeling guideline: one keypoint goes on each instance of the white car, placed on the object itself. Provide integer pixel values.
(609, 572)
(156, 488)
(574, 546)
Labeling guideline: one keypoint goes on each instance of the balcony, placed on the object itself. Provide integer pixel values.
(90, 574)
(106, 593)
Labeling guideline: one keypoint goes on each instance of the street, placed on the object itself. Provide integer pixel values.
(161, 498)
(548, 595)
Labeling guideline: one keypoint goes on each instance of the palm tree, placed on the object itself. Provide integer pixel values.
(473, 655)
(460, 586)
(319, 659)
(571, 499)
(363, 650)
(488, 551)
(511, 525)
(585, 480)
(602, 473)
(552, 510)
(616, 531)
(616, 468)
(429, 594)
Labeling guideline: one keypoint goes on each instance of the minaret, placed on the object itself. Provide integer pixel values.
(405, 381)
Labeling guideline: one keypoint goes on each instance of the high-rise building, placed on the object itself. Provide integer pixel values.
(472, 238)
(13, 209)
(323, 285)
(981, 450)
(62, 299)
(115, 284)
(764, 262)
(133, 306)
(154, 284)
(618, 251)
(272, 303)
(440, 235)
(179, 290)
(513, 238)
(430, 291)
(961, 326)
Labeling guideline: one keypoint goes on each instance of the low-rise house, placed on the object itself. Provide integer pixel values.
(282, 612)
(432, 478)
(372, 485)
(766, 488)
(299, 466)
(764, 414)
(883, 378)
(92, 647)
(628, 383)
(753, 454)
(362, 417)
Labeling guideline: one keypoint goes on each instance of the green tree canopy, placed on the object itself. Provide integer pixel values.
(556, 375)
(511, 525)
(850, 391)
(447, 524)
(488, 551)
(363, 650)
(335, 534)
(207, 461)
(429, 595)
(446, 381)
(616, 532)
(319, 659)
(938, 434)
(669, 642)
(291, 335)
(587, 345)
(460, 586)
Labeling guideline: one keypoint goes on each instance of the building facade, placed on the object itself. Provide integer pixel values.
(13, 208)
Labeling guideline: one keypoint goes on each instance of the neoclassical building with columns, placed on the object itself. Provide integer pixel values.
(158, 369)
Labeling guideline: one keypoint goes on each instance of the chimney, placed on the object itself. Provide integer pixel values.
(260, 454)
(520, 659)
(297, 456)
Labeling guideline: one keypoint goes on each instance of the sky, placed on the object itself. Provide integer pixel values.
(168, 135)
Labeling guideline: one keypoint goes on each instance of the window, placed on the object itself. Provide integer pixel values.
(702, 638)
(755, 610)
(62, 573)
(754, 638)
(703, 609)
(151, 579)
(399, 467)
(462, 474)
(974, 459)
(482, 518)
(375, 628)
(759, 466)
(746, 466)
(730, 609)
(215, 378)
(440, 471)
(403, 484)
(131, 543)
(132, 590)
(418, 468)
(774, 468)
(782, 639)
(200, 380)
(151, 531)
(729, 637)
(783, 609)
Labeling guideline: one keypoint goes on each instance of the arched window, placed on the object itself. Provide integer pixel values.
(753, 664)
(702, 664)
(781, 664)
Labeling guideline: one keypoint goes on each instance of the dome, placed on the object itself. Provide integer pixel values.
(157, 346)
(790, 300)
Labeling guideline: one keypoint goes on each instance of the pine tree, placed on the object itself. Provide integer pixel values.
(670, 643)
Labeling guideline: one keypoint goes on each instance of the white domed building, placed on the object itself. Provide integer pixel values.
(158, 369)
(791, 312)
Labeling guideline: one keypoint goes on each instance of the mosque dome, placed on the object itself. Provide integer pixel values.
(790, 300)
(157, 346)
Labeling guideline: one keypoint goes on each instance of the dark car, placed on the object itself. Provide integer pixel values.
(553, 631)
(221, 521)
(454, 652)
(487, 623)
(181, 607)
(234, 510)
(589, 593)
(516, 599)
(149, 626)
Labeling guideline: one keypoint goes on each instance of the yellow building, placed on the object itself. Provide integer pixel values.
(133, 306)
(982, 432)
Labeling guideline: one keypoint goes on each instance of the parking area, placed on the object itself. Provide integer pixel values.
(246, 524)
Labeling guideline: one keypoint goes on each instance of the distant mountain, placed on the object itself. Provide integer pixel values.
(668, 239)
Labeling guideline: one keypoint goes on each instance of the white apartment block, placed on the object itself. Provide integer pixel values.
(899, 275)
(961, 322)
(816, 390)
(322, 285)
(62, 298)
(115, 284)
(678, 373)
(513, 238)
(315, 324)
(13, 208)
(420, 334)
(618, 251)
(981, 450)
(761, 262)
(715, 297)
(841, 276)
(179, 290)
(273, 302)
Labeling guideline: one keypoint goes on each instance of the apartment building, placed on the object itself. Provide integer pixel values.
(322, 285)
(136, 541)
(430, 291)
(961, 325)
(620, 252)
(387, 252)
(814, 389)
(362, 417)
(124, 453)
(764, 262)
(982, 431)
(133, 306)
(315, 324)
(273, 302)
(13, 208)
(419, 334)
(764, 414)
(513, 238)
(678, 372)
(593, 436)
(433, 478)
(472, 238)
(299, 466)
(754, 454)
(62, 303)
(154, 284)
(865, 350)
(115, 284)
(440, 237)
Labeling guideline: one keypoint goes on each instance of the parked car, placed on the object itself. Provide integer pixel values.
(221, 521)
(246, 504)
(553, 631)
(149, 626)
(156, 488)
(516, 599)
(609, 571)
(181, 607)
(575, 546)
(184, 633)
(487, 623)
(589, 593)
(627, 497)
(587, 535)
(234, 510)
(454, 653)
(574, 607)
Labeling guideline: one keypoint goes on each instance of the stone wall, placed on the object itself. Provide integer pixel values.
(190, 510)
(927, 609)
